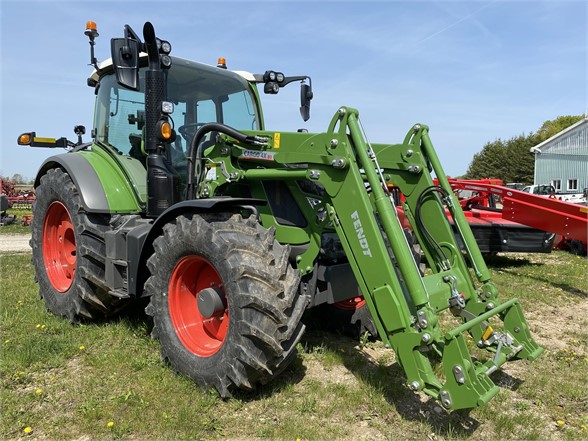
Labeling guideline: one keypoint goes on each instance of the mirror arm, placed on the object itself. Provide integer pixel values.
(287, 80)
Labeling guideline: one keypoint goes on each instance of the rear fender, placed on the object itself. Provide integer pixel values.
(103, 185)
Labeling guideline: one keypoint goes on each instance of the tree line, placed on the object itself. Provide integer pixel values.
(18, 179)
(510, 160)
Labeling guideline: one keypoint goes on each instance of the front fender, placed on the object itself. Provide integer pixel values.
(140, 242)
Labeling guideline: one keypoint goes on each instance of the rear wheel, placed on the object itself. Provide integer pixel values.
(68, 252)
(224, 301)
(349, 317)
(352, 317)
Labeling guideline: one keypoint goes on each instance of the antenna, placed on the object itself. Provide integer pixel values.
(92, 32)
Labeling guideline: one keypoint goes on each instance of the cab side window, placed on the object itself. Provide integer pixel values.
(120, 117)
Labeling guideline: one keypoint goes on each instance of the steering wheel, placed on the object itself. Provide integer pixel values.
(188, 131)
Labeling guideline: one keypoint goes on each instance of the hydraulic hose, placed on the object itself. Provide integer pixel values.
(443, 260)
(195, 151)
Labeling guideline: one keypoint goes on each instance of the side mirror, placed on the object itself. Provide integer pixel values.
(305, 97)
(125, 58)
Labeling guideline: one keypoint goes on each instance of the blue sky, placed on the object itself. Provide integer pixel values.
(473, 71)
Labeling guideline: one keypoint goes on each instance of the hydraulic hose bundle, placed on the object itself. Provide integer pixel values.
(196, 150)
(442, 258)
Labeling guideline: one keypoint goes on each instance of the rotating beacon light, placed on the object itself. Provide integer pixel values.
(92, 32)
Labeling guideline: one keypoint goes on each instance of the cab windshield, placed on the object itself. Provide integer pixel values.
(200, 94)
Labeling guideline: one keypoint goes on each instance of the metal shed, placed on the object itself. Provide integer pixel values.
(562, 160)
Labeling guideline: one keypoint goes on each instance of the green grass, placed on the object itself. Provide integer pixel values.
(70, 382)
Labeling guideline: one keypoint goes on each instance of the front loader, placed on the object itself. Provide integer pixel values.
(231, 231)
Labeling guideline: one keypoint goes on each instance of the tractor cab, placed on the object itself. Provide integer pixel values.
(199, 94)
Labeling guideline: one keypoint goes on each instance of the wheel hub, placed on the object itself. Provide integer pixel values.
(210, 302)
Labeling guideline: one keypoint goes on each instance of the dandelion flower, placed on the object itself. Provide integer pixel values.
(110, 424)
(39, 391)
(560, 422)
(38, 325)
(82, 347)
(27, 430)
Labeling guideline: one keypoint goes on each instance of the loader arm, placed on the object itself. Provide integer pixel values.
(406, 306)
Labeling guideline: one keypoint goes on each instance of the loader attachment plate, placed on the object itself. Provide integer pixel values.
(467, 382)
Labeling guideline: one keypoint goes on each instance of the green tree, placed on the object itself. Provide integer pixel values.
(511, 160)
(553, 126)
(17, 179)
(489, 163)
(520, 163)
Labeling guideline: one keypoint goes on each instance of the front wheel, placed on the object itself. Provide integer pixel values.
(224, 301)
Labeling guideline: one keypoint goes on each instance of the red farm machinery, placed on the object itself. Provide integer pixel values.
(504, 219)
(17, 197)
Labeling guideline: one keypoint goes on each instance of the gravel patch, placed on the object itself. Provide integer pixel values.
(14, 243)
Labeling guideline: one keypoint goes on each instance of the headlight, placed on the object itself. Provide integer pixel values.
(271, 87)
(167, 107)
(165, 47)
(166, 61)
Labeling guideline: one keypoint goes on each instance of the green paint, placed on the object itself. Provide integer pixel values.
(123, 179)
(354, 204)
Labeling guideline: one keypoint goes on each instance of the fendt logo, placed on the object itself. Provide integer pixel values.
(360, 236)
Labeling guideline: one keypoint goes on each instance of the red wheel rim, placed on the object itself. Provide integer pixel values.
(351, 304)
(200, 335)
(59, 247)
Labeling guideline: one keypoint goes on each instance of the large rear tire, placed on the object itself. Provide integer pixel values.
(68, 252)
(246, 330)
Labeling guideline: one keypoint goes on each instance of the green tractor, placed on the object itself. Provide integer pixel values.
(230, 231)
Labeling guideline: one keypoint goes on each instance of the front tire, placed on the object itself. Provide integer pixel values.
(69, 252)
(250, 336)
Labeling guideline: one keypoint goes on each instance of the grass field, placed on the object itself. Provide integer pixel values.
(106, 381)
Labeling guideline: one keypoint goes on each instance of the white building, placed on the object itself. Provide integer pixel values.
(562, 160)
